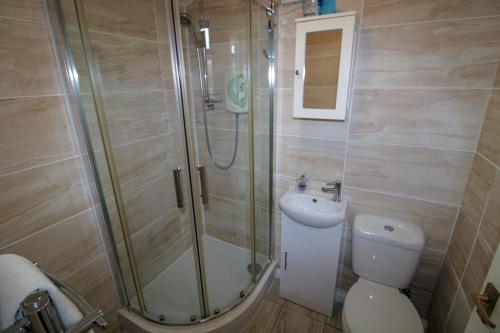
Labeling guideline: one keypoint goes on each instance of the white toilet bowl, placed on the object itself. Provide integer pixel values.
(385, 254)
(372, 307)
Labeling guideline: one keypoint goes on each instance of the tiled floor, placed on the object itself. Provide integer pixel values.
(277, 315)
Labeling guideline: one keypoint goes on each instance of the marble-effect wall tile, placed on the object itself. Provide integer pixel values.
(317, 158)
(440, 118)
(477, 269)
(422, 173)
(32, 10)
(27, 60)
(490, 135)
(380, 12)
(39, 132)
(459, 314)
(479, 185)
(490, 226)
(39, 197)
(126, 64)
(53, 252)
(425, 55)
(131, 18)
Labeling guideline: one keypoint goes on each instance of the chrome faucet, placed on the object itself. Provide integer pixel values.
(335, 188)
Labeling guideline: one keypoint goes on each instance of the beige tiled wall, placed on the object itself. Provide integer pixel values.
(477, 231)
(422, 82)
(46, 209)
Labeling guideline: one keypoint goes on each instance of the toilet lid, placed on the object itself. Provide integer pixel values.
(372, 307)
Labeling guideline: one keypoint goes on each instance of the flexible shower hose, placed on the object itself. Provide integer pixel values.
(204, 99)
(207, 138)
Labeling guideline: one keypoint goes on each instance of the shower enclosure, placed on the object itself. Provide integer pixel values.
(176, 104)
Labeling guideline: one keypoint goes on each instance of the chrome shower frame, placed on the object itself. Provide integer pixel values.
(271, 77)
(175, 40)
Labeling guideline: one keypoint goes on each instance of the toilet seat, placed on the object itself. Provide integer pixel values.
(374, 308)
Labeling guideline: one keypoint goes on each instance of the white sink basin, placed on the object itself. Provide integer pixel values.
(312, 210)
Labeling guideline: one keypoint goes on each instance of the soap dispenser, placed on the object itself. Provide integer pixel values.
(301, 183)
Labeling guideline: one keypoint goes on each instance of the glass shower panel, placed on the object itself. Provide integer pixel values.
(84, 102)
(131, 104)
(217, 56)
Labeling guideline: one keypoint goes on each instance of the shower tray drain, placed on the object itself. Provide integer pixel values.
(258, 268)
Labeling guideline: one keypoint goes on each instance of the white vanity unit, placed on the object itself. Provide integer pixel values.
(311, 234)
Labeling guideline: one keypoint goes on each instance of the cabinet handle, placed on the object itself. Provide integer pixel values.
(286, 260)
(297, 72)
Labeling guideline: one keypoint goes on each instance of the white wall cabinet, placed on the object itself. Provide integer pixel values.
(309, 264)
(323, 64)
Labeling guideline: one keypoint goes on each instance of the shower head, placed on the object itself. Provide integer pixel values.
(188, 22)
(186, 19)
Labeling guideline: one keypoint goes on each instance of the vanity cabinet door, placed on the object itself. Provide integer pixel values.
(309, 264)
(323, 58)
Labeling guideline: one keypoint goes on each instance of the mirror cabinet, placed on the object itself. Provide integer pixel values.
(323, 63)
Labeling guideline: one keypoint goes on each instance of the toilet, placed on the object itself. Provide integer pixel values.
(385, 255)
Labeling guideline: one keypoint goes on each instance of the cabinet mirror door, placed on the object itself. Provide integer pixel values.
(323, 66)
(321, 69)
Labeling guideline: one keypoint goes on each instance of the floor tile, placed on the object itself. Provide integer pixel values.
(305, 311)
(293, 322)
(265, 318)
(331, 329)
(273, 293)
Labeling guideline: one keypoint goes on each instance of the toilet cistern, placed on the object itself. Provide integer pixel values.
(385, 254)
(335, 188)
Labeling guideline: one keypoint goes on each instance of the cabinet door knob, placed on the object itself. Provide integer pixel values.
(297, 72)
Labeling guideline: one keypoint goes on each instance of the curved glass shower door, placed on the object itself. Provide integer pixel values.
(135, 125)
(166, 91)
(215, 36)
